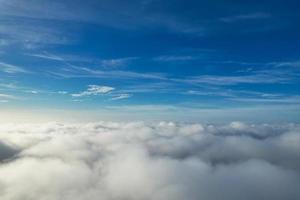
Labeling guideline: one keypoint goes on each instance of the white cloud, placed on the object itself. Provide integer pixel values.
(83, 72)
(94, 90)
(288, 99)
(33, 92)
(139, 161)
(31, 34)
(172, 58)
(285, 64)
(99, 13)
(62, 92)
(11, 69)
(122, 96)
(7, 96)
(256, 77)
(117, 62)
(47, 56)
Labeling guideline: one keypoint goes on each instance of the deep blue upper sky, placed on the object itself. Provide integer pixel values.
(152, 59)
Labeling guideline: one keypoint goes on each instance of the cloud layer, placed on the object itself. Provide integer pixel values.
(161, 161)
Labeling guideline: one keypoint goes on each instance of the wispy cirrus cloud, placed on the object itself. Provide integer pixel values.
(47, 56)
(10, 86)
(137, 14)
(285, 64)
(210, 93)
(116, 62)
(94, 90)
(235, 93)
(172, 58)
(256, 77)
(250, 16)
(234, 80)
(84, 72)
(5, 98)
(121, 96)
(31, 34)
(11, 69)
(295, 99)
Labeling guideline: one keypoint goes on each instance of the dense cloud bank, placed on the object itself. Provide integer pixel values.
(138, 161)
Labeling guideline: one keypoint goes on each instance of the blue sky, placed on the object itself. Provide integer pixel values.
(152, 59)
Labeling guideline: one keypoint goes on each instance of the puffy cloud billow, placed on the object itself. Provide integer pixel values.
(144, 161)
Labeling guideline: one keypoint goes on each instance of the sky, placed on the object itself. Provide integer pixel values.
(149, 99)
(150, 60)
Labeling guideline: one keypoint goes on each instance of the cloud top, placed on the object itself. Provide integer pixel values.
(142, 161)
